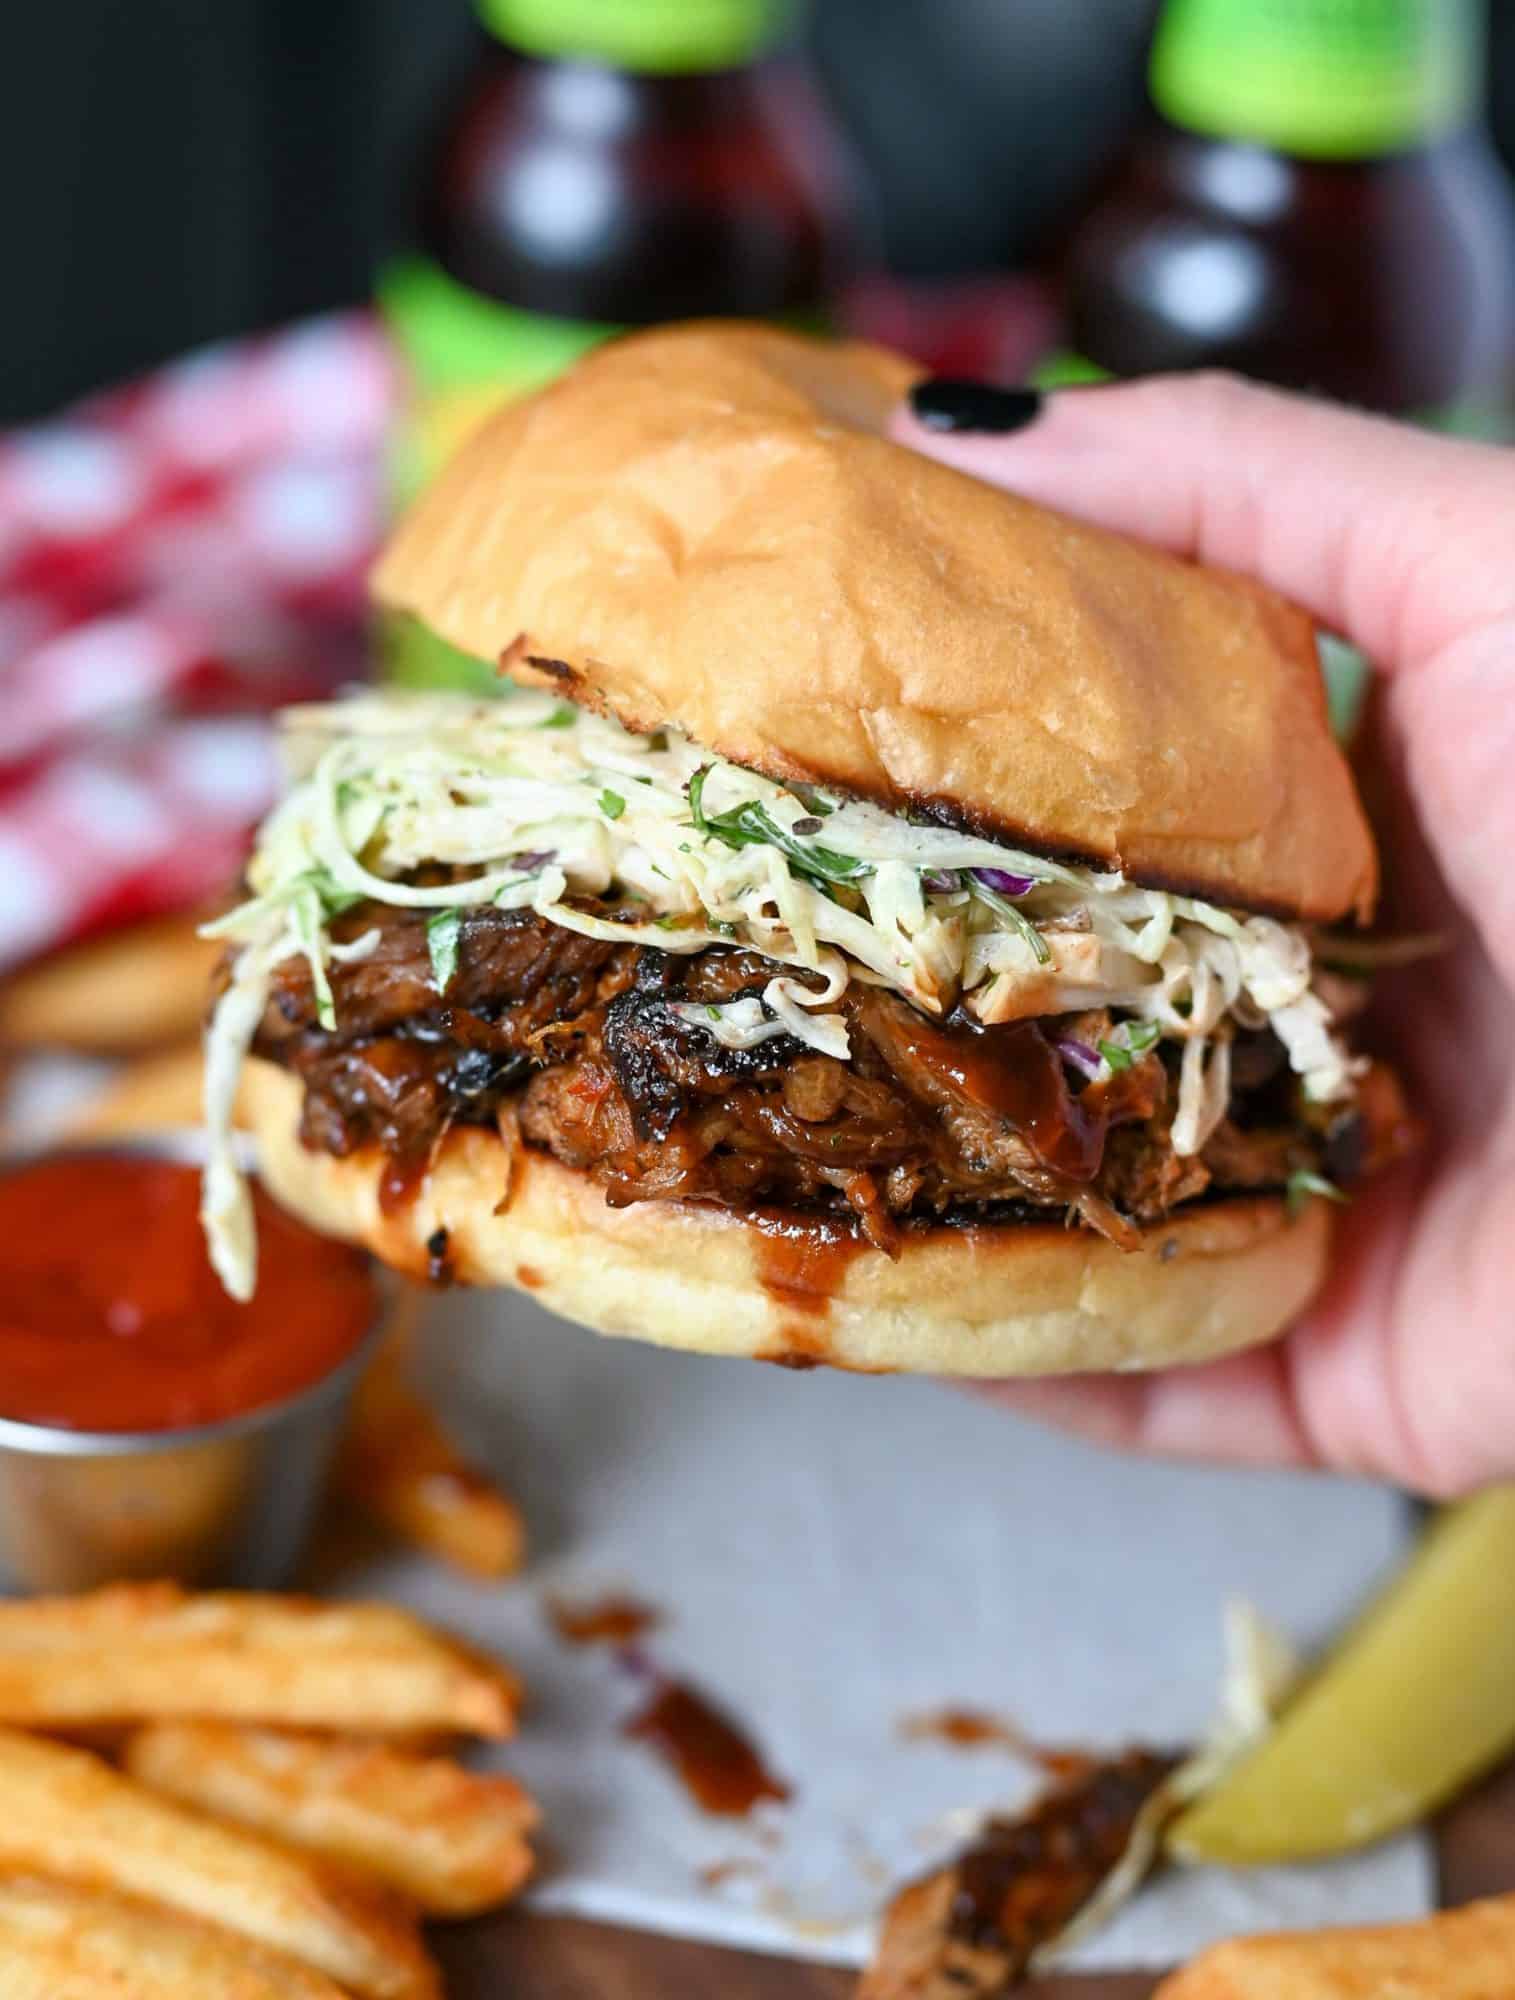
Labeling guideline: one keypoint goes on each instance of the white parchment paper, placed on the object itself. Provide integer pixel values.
(831, 1555)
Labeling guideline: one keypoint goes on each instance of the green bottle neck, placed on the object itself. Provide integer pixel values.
(654, 37)
(1321, 79)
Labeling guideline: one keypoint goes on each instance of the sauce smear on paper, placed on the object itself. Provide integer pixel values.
(717, 1763)
(965, 1729)
(606, 1621)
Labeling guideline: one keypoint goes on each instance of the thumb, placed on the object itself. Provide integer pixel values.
(1394, 538)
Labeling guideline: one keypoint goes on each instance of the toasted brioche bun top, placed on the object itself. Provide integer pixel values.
(707, 527)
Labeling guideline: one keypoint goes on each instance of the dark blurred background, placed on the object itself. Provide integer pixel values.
(175, 171)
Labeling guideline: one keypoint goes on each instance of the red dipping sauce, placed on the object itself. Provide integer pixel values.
(111, 1318)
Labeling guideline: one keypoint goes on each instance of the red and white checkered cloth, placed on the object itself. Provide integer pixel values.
(180, 556)
(177, 558)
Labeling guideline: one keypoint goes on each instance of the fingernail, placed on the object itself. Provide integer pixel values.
(950, 403)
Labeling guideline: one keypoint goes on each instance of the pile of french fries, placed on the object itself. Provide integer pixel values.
(261, 1812)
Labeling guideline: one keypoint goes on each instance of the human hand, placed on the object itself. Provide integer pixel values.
(1404, 543)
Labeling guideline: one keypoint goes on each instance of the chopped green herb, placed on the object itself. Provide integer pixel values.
(751, 825)
(1017, 919)
(1303, 1184)
(333, 899)
(1130, 1039)
(562, 717)
(714, 1013)
(813, 801)
(612, 805)
(442, 934)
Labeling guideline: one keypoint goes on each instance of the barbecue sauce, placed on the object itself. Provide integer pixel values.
(402, 1180)
(802, 1259)
(962, 1729)
(1015, 1073)
(718, 1765)
(111, 1318)
(608, 1621)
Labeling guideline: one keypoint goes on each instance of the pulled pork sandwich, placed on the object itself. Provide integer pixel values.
(879, 927)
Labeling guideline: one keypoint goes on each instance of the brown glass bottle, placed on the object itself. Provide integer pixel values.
(1319, 207)
(610, 164)
(588, 193)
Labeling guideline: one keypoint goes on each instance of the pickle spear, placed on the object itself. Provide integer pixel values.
(1416, 1701)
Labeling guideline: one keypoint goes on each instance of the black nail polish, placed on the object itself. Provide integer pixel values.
(949, 403)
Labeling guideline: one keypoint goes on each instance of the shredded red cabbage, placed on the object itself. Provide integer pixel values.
(1004, 883)
(942, 880)
(1078, 1055)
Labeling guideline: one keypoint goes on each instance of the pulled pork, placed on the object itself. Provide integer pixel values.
(584, 1041)
(971, 1930)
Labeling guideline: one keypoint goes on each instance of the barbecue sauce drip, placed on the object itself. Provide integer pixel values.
(403, 1178)
(802, 1259)
(718, 1765)
(1015, 1073)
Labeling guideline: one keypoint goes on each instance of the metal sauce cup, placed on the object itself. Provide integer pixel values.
(228, 1503)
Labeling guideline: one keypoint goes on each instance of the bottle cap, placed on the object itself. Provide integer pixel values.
(1320, 79)
(648, 35)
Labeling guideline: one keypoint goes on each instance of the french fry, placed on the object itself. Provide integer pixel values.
(145, 1652)
(131, 990)
(65, 1813)
(400, 1467)
(62, 1943)
(451, 1841)
(152, 1094)
(1466, 1954)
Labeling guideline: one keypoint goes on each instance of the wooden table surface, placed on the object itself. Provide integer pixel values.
(522, 1957)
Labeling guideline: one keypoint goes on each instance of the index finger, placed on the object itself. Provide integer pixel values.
(1397, 539)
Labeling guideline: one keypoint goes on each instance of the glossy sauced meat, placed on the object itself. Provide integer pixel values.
(582, 1039)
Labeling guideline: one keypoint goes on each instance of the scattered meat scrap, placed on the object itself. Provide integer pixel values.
(969, 1930)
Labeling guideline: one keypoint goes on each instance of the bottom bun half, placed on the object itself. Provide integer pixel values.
(988, 1300)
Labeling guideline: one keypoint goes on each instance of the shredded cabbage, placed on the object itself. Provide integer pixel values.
(1262, 1671)
(531, 807)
